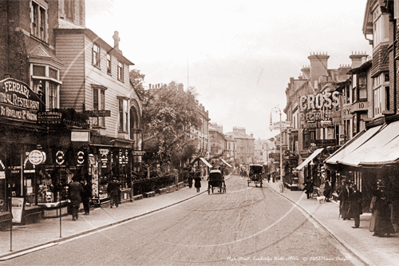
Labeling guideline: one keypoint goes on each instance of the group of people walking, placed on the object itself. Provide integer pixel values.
(194, 175)
(351, 207)
(79, 192)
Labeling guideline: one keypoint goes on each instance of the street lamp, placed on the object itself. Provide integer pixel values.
(278, 110)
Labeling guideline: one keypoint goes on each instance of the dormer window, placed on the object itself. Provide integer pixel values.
(120, 71)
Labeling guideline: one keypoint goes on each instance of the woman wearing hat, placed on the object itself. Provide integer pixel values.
(382, 212)
(344, 201)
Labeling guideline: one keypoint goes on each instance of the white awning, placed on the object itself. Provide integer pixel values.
(205, 162)
(226, 163)
(352, 145)
(380, 149)
(311, 157)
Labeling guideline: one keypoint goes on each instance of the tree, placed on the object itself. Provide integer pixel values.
(169, 115)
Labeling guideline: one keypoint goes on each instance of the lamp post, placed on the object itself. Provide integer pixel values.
(278, 110)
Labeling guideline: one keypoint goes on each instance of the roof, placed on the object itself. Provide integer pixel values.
(65, 27)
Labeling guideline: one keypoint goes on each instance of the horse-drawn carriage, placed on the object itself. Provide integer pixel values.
(255, 174)
(216, 179)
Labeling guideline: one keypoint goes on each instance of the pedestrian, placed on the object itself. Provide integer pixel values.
(344, 202)
(113, 192)
(75, 191)
(382, 211)
(86, 195)
(190, 178)
(327, 190)
(308, 188)
(268, 178)
(197, 181)
(355, 205)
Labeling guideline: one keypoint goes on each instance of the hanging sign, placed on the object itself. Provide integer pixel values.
(59, 157)
(37, 157)
(81, 157)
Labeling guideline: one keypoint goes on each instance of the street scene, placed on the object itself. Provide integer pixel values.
(225, 133)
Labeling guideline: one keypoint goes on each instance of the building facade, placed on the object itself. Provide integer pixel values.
(244, 145)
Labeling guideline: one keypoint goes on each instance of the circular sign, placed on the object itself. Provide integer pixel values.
(36, 157)
(59, 157)
(81, 157)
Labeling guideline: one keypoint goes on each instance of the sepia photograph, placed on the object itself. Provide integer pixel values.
(196, 133)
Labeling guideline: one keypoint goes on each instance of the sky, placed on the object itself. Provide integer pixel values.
(238, 55)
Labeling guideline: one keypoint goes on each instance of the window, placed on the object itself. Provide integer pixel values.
(39, 21)
(69, 8)
(380, 95)
(123, 115)
(355, 124)
(45, 84)
(120, 71)
(347, 94)
(380, 27)
(96, 55)
(362, 87)
(98, 104)
(108, 64)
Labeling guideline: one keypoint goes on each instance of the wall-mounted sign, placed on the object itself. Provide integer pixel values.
(37, 157)
(18, 101)
(60, 157)
(80, 136)
(98, 113)
(49, 118)
(320, 111)
(81, 157)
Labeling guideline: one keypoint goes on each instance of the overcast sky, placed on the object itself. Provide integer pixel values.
(239, 55)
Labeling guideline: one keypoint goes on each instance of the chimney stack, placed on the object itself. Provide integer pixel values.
(318, 65)
(357, 58)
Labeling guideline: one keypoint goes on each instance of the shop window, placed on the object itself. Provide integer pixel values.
(98, 104)
(120, 71)
(96, 55)
(109, 64)
(39, 21)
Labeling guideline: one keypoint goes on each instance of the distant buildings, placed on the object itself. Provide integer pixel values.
(244, 153)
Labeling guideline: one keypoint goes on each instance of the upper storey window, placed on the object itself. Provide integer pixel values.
(380, 27)
(39, 23)
(96, 55)
(120, 71)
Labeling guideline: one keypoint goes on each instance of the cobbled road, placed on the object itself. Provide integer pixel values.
(246, 226)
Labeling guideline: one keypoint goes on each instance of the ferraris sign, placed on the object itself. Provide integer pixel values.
(18, 101)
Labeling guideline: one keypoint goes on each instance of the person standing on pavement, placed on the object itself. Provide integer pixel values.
(113, 192)
(383, 225)
(75, 192)
(327, 190)
(344, 201)
(190, 177)
(308, 187)
(197, 180)
(86, 195)
(355, 205)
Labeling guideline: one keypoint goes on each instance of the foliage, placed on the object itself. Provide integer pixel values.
(169, 115)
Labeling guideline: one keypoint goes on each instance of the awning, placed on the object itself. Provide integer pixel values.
(226, 163)
(205, 162)
(311, 157)
(380, 149)
(352, 145)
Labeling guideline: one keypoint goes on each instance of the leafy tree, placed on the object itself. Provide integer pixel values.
(169, 115)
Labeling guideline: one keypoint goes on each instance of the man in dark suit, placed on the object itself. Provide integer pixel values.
(75, 192)
(355, 205)
(113, 192)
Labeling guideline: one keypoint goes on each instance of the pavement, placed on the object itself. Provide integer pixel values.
(370, 249)
(49, 232)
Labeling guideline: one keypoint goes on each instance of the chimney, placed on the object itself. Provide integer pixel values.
(116, 41)
(357, 58)
(305, 72)
(318, 65)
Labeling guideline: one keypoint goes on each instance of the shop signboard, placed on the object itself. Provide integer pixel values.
(49, 118)
(17, 209)
(321, 110)
(98, 113)
(18, 101)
